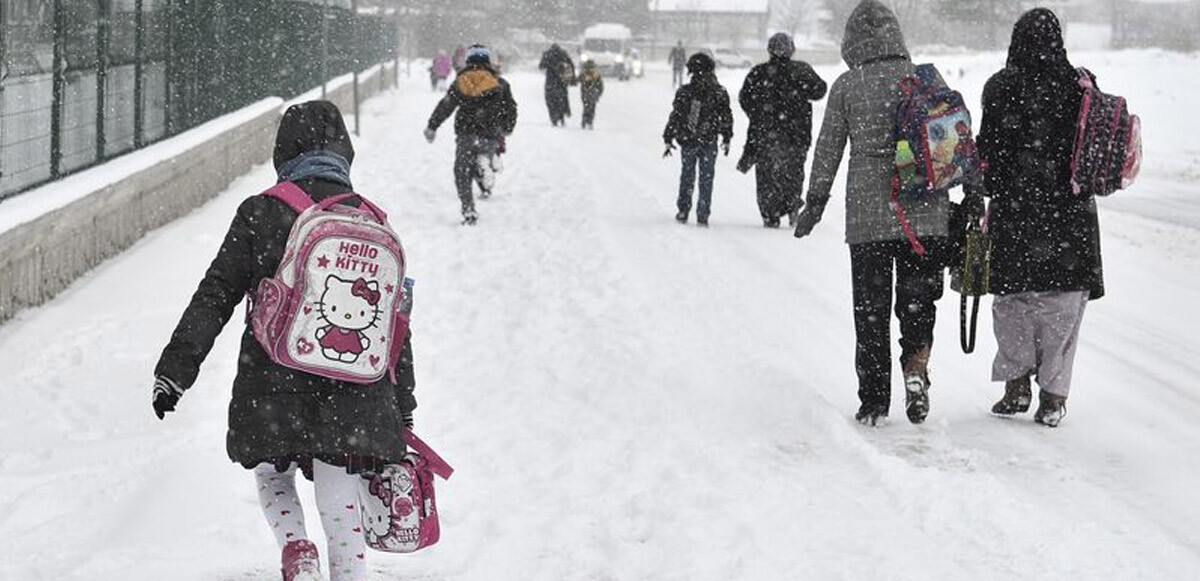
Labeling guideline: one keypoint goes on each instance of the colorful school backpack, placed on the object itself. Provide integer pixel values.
(935, 147)
(399, 509)
(336, 306)
(1108, 142)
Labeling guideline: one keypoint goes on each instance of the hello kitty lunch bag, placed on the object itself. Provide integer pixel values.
(399, 509)
(336, 306)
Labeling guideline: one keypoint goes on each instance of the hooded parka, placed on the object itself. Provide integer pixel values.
(862, 109)
(1044, 237)
(278, 414)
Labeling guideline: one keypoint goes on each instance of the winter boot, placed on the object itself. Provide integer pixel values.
(681, 217)
(702, 221)
(916, 397)
(772, 222)
(916, 386)
(792, 216)
(470, 217)
(871, 414)
(1017, 396)
(1051, 409)
(300, 562)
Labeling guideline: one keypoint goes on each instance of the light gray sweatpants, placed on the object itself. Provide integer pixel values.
(1037, 333)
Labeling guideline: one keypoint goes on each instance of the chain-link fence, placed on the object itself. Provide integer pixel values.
(82, 81)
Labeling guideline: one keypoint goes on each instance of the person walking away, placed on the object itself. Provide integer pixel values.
(440, 70)
(591, 87)
(459, 60)
(1046, 262)
(677, 59)
(862, 109)
(486, 113)
(776, 97)
(699, 115)
(281, 419)
(560, 72)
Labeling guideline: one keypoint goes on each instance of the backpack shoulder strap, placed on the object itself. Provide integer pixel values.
(435, 462)
(290, 194)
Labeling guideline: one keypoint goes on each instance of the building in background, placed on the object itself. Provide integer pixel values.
(738, 24)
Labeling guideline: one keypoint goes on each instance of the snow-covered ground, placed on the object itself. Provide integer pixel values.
(625, 398)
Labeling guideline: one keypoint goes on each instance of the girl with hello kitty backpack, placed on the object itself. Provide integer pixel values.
(325, 374)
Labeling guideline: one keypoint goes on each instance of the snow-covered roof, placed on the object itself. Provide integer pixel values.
(751, 6)
(607, 30)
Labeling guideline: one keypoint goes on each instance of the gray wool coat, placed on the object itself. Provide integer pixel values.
(862, 109)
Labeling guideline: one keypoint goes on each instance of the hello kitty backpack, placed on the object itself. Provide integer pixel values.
(399, 509)
(336, 306)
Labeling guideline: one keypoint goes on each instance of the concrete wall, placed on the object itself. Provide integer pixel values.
(42, 257)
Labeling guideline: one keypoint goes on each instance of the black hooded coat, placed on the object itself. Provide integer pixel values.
(279, 414)
(1045, 238)
(777, 96)
(560, 70)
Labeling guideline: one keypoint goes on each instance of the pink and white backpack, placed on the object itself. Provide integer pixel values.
(399, 509)
(1108, 142)
(335, 307)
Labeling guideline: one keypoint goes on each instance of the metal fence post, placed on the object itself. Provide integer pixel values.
(3, 74)
(58, 87)
(139, 52)
(102, 13)
(168, 9)
(356, 63)
(324, 46)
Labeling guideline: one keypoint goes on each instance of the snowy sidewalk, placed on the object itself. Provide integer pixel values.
(625, 398)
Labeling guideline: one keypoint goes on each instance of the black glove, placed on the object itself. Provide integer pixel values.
(406, 418)
(670, 148)
(725, 147)
(809, 216)
(973, 207)
(166, 395)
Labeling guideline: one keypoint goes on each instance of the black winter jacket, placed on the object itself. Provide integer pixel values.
(484, 102)
(1045, 238)
(277, 413)
(700, 113)
(776, 97)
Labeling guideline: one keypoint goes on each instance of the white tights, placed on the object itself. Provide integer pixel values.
(337, 502)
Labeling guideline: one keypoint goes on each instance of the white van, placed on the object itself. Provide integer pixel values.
(607, 45)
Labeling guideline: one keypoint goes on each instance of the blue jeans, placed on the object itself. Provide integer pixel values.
(705, 155)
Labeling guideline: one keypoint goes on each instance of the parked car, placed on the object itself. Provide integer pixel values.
(731, 59)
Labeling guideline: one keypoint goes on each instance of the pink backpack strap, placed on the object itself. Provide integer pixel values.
(290, 194)
(435, 462)
(905, 225)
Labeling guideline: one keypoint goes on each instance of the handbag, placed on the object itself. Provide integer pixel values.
(399, 508)
(970, 277)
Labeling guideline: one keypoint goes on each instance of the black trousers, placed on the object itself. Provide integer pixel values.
(918, 285)
(589, 112)
(779, 173)
(466, 160)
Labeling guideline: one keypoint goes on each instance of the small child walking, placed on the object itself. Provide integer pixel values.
(282, 421)
(700, 114)
(591, 87)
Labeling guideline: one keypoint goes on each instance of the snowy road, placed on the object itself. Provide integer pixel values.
(625, 398)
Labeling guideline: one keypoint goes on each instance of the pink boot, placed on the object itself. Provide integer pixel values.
(300, 562)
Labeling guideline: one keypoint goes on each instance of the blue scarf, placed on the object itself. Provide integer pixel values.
(320, 164)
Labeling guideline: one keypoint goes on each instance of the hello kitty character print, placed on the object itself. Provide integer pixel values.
(399, 510)
(349, 309)
(335, 306)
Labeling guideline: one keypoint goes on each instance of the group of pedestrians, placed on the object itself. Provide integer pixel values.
(1046, 262)
(1045, 258)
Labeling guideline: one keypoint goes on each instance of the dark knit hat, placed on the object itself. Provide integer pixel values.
(781, 46)
(700, 63)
